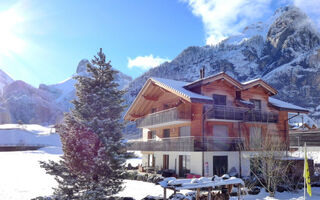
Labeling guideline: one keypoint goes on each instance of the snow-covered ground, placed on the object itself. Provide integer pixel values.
(22, 178)
(139, 190)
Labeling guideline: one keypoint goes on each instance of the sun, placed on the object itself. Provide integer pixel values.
(10, 31)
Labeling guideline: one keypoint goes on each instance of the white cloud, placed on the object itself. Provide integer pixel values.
(146, 62)
(311, 8)
(222, 18)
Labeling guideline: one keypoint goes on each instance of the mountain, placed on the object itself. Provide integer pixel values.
(46, 104)
(64, 91)
(5, 80)
(284, 51)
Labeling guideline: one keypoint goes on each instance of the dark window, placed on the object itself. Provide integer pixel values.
(153, 110)
(238, 94)
(165, 106)
(220, 99)
(256, 103)
(166, 133)
(151, 135)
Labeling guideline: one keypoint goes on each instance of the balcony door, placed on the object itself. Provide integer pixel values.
(220, 138)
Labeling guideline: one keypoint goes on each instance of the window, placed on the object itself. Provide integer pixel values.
(256, 103)
(220, 99)
(153, 110)
(184, 131)
(151, 135)
(166, 133)
(238, 94)
(165, 106)
(151, 160)
(221, 138)
(255, 137)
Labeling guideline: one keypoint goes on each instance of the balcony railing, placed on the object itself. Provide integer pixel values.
(162, 117)
(188, 144)
(242, 114)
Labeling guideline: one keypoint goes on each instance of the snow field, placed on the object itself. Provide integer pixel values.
(21, 176)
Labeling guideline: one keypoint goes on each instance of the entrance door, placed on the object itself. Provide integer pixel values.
(181, 171)
(184, 165)
(165, 161)
(220, 165)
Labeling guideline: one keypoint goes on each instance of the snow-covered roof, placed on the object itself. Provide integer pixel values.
(178, 87)
(220, 75)
(285, 105)
(203, 182)
(251, 81)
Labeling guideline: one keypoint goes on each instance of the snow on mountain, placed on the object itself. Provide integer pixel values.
(284, 51)
(45, 105)
(5, 80)
(64, 92)
(29, 105)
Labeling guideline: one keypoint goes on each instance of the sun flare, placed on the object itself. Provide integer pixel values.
(10, 29)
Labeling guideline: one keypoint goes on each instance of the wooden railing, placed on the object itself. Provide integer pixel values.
(241, 114)
(188, 144)
(165, 116)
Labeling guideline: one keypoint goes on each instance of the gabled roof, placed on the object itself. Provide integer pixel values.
(282, 105)
(212, 78)
(177, 87)
(258, 82)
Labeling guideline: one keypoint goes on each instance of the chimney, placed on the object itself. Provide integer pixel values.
(202, 73)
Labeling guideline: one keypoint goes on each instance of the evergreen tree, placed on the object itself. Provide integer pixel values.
(92, 166)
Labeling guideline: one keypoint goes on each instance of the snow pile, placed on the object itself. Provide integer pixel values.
(203, 182)
(312, 153)
(31, 134)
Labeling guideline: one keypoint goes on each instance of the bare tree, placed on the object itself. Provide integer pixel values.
(269, 163)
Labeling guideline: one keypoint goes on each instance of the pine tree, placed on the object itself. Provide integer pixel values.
(92, 166)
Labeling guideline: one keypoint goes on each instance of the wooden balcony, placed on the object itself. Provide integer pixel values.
(241, 114)
(162, 118)
(188, 144)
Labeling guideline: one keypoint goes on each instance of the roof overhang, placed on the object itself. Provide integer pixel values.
(216, 77)
(260, 83)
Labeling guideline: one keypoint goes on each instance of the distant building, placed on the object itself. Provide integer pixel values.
(198, 127)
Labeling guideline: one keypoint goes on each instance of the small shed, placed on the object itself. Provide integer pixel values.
(203, 183)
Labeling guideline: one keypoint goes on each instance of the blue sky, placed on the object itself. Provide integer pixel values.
(42, 41)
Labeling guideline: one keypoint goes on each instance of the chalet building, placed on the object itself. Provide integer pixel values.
(199, 127)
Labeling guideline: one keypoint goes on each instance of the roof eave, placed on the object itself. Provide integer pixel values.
(290, 109)
(198, 100)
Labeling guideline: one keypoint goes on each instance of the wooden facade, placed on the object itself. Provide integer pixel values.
(155, 100)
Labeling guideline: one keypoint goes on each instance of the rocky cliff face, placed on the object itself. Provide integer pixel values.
(284, 51)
